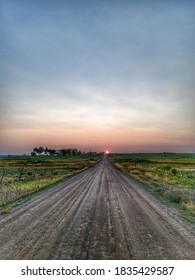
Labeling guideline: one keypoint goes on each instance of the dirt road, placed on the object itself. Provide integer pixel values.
(97, 214)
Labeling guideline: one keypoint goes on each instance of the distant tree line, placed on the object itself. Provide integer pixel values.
(37, 151)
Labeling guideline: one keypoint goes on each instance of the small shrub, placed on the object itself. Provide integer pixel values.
(175, 197)
(5, 211)
(159, 190)
(166, 167)
(190, 206)
(173, 171)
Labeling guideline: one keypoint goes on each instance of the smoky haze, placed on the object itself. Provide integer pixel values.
(98, 75)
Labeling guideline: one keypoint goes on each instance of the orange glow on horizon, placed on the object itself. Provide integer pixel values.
(18, 140)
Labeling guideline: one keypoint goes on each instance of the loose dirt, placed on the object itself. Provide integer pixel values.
(97, 214)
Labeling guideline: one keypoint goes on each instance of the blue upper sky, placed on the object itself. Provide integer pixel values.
(97, 74)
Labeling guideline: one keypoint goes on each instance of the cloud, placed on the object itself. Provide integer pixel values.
(98, 71)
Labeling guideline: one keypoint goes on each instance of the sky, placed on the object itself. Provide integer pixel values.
(97, 75)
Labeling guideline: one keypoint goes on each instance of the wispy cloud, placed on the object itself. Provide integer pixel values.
(121, 73)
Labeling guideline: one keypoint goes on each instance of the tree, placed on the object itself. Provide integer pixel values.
(63, 152)
(35, 150)
(52, 152)
(46, 151)
(39, 150)
(74, 152)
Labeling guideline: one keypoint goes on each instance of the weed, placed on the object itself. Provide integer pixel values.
(20, 177)
(174, 196)
(5, 211)
(170, 177)
(189, 206)
(166, 167)
(173, 171)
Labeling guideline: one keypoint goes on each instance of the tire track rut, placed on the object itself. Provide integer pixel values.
(97, 214)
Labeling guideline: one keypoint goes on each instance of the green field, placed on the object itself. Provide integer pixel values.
(170, 177)
(21, 177)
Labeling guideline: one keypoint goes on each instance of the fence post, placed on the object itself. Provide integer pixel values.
(2, 176)
(21, 174)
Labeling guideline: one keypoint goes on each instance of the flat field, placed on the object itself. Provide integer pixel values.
(99, 213)
(170, 177)
(21, 177)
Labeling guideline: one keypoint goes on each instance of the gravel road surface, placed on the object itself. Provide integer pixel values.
(97, 214)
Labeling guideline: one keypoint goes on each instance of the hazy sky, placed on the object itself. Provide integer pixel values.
(96, 75)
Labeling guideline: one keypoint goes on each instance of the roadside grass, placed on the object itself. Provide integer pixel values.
(169, 177)
(23, 177)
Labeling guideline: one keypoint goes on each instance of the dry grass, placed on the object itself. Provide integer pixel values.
(169, 177)
(21, 177)
(189, 206)
(5, 211)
